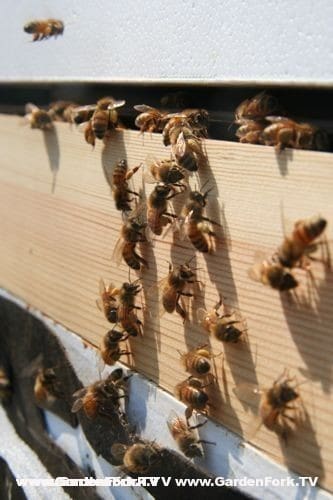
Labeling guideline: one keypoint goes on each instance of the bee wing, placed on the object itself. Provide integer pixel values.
(143, 108)
(77, 405)
(201, 315)
(276, 119)
(175, 420)
(117, 254)
(149, 162)
(156, 290)
(88, 107)
(255, 271)
(180, 147)
(30, 107)
(249, 393)
(116, 104)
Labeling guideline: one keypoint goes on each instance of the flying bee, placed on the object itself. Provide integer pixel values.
(284, 132)
(47, 386)
(150, 119)
(108, 302)
(173, 289)
(38, 118)
(251, 131)
(132, 233)
(138, 458)
(44, 29)
(157, 215)
(280, 409)
(297, 248)
(192, 394)
(101, 398)
(110, 349)
(165, 171)
(5, 385)
(120, 177)
(104, 118)
(197, 362)
(185, 436)
(224, 327)
(268, 272)
(256, 108)
(62, 111)
(198, 227)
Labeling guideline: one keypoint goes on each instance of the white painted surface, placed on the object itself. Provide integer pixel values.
(177, 40)
(24, 463)
(148, 410)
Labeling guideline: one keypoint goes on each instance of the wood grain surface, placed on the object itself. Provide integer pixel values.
(59, 227)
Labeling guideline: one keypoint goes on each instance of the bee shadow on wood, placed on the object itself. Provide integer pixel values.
(53, 152)
(304, 438)
(310, 325)
(220, 272)
(282, 159)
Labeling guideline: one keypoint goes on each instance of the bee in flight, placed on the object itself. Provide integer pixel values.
(226, 327)
(44, 29)
(110, 348)
(38, 118)
(280, 408)
(297, 248)
(191, 392)
(271, 273)
(138, 458)
(103, 117)
(185, 436)
(101, 398)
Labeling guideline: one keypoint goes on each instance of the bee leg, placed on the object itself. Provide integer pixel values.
(192, 427)
(132, 192)
(35, 37)
(174, 216)
(181, 311)
(188, 413)
(206, 442)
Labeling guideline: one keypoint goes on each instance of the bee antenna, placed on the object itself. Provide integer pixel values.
(204, 184)
(190, 259)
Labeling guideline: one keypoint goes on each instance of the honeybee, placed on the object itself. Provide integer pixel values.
(256, 108)
(284, 132)
(251, 132)
(110, 349)
(138, 458)
(132, 232)
(102, 397)
(103, 119)
(280, 407)
(38, 118)
(185, 143)
(165, 171)
(194, 119)
(157, 215)
(150, 119)
(197, 361)
(198, 227)
(192, 394)
(44, 29)
(269, 272)
(108, 302)
(47, 386)
(126, 312)
(185, 436)
(62, 111)
(5, 385)
(120, 177)
(173, 288)
(224, 327)
(296, 248)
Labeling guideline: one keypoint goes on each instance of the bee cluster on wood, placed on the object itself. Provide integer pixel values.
(260, 122)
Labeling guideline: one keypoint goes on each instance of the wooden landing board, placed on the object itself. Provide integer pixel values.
(59, 227)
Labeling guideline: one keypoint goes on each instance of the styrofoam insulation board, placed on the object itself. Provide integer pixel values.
(147, 410)
(175, 41)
